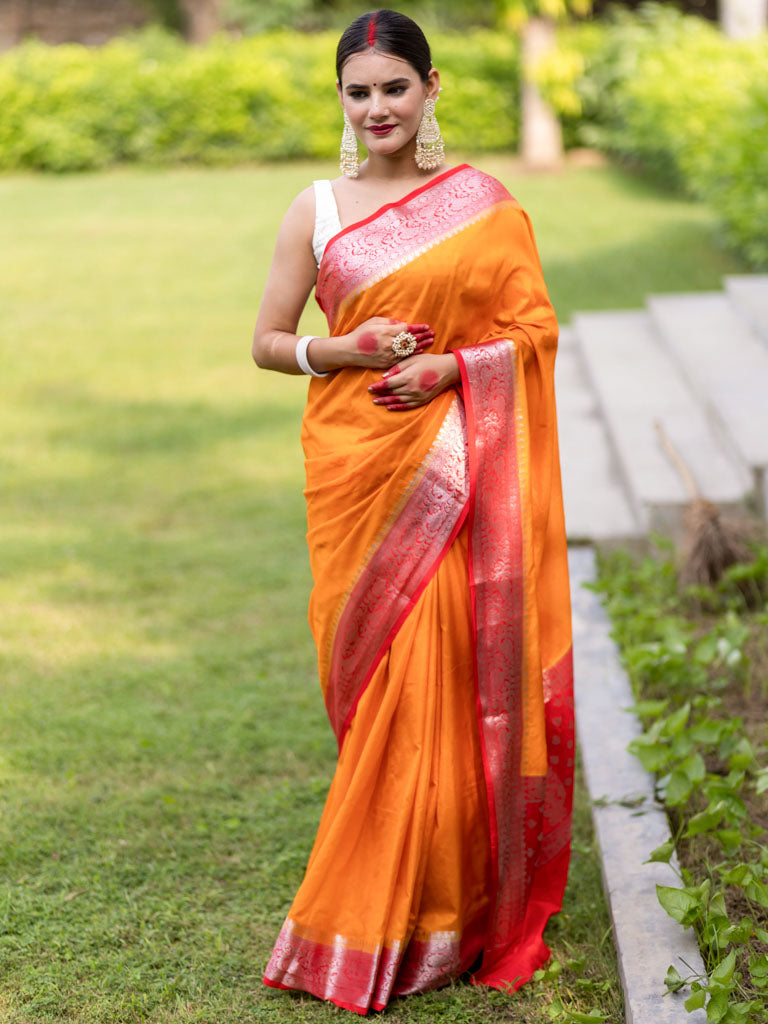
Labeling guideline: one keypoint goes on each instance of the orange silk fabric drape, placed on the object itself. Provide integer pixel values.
(441, 614)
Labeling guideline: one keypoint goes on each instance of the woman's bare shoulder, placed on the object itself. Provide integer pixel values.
(299, 221)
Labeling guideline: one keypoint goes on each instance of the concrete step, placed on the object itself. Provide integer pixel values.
(596, 507)
(749, 292)
(637, 383)
(726, 364)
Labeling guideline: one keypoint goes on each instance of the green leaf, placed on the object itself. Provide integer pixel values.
(706, 820)
(679, 788)
(693, 767)
(717, 1007)
(552, 970)
(761, 783)
(758, 966)
(731, 839)
(717, 917)
(741, 932)
(679, 904)
(738, 874)
(696, 1000)
(652, 758)
(701, 890)
(681, 747)
(649, 708)
(709, 732)
(673, 981)
(662, 854)
(577, 964)
(758, 892)
(705, 651)
(743, 756)
(677, 720)
(723, 973)
(593, 1017)
(738, 1013)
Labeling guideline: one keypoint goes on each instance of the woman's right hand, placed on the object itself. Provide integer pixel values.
(370, 344)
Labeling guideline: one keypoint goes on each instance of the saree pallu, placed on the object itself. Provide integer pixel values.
(441, 615)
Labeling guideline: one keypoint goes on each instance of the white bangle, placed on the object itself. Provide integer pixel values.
(301, 356)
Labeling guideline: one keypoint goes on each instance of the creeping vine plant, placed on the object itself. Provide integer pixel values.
(688, 659)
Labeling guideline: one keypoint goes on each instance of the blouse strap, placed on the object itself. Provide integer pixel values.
(325, 201)
(327, 222)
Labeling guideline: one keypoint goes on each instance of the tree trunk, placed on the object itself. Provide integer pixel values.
(12, 23)
(742, 19)
(202, 18)
(542, 139)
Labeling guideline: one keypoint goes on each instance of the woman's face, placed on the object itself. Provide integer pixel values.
(384, 98)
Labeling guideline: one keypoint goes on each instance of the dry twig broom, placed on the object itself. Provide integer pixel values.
(713, 542)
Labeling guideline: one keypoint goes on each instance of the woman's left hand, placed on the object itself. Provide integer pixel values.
(415, 381)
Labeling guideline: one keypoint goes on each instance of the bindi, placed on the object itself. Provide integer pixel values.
(367, 343)
(428, 380)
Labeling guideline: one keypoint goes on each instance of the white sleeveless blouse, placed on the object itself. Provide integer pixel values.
(327, 222)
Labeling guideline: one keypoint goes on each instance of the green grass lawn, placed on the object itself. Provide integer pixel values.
(164, 752)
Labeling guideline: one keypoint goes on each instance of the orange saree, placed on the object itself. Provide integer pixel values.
(441, 615)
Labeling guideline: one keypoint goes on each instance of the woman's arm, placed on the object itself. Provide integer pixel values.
(290, 281)
(288, 286)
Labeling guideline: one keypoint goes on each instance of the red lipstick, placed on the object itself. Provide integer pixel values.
(381, 129)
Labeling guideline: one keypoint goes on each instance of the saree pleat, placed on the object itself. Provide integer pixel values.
(441, 615)
(401, 860)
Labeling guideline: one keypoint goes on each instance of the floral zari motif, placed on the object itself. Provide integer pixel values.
(401, 232)
(527, 806)
(400, 567)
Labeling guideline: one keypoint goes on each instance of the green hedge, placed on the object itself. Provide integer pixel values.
(672, 93)
(151, 98)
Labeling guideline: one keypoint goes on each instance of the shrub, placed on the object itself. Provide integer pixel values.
(672, 93)
(153, 99)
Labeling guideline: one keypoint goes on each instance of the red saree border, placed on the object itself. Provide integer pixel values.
(557, 803)
(495, 570)
(398, 233)
(359, 979)
(404, 561)
(529, 806)
(389, 206)
(548, 811)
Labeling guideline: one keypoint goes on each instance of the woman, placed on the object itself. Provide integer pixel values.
(440, 605)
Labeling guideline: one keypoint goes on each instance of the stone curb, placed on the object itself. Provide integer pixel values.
(628, 822)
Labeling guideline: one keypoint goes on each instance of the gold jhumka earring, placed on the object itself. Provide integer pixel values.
(349, 161)
(430, 148)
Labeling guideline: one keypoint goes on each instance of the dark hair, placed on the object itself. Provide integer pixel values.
(388, 32)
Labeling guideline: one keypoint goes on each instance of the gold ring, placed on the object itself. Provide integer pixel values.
(404, 344)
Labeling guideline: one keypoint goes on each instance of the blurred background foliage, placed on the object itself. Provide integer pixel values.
(675, 97)
(151, 98)
(314, 15)
(655, 87)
